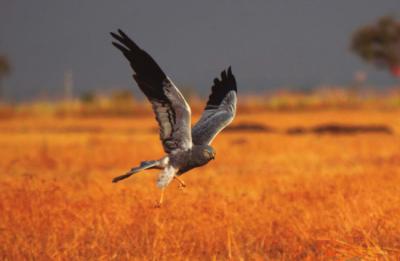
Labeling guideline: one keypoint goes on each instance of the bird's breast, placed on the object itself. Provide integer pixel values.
(190, 163)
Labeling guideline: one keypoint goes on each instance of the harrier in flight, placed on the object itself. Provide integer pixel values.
(186, 147)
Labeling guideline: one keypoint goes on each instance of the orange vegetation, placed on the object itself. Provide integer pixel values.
(269, 194)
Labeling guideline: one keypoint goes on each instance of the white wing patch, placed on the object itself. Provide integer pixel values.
(166, 176)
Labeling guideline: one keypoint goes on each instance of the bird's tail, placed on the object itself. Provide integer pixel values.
(151, 164)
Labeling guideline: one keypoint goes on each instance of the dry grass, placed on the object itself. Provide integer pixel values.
(267, 196)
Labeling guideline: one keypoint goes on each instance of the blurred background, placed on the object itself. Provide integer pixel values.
(52, 51)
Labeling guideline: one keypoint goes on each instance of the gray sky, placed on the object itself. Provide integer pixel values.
(298, 43)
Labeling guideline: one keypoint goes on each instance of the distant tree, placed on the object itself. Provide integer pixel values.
(122, 102)
(88, 97)
(5, 69)
(379, 44)
(122, 97)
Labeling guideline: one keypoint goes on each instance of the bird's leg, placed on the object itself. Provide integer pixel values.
(161, 198)
(181, 183)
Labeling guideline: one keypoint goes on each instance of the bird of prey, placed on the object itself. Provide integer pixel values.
(186, 147)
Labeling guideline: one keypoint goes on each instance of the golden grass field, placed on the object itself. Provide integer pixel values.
(267, 196)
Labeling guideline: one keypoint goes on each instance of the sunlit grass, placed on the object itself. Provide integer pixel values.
(267, 196)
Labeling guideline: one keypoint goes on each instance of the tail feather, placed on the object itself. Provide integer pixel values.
(152, 164)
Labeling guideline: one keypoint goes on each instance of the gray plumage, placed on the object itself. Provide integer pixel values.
(186, 148)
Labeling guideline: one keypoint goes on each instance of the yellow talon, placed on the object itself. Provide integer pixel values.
(181, 183)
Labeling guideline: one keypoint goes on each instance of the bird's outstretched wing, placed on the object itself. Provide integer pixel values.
(172, 111)
(220, 109)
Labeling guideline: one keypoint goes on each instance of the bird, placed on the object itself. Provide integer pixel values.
(185, 147)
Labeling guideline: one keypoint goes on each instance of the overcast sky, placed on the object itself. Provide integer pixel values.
(269, 44)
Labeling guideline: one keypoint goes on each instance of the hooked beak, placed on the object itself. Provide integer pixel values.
(213, 156)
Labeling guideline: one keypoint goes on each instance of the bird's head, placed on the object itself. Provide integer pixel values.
(209, 152)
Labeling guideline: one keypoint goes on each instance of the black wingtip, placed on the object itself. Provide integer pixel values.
(125, 37)
(223, 75)
(114, 34)
(118, 37)
(221, 87)
(120, 47)
(121, 32)
(125, 40)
